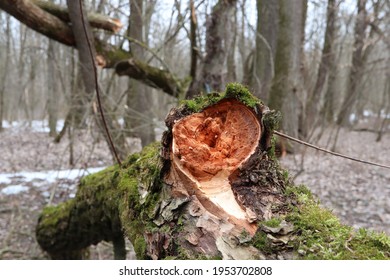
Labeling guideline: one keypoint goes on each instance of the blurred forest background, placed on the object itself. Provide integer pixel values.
(321, 63)
(325, 64)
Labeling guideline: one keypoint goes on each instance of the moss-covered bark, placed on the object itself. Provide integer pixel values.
(163, 220)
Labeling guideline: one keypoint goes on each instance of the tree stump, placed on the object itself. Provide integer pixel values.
(211, 189)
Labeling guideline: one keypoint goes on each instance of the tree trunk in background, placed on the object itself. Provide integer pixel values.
(356, 72)
(327, 111)
(326, 65)
(5, 69)
(266, 38)
(87, 64)
(384, 111)
(218, 43)
(287, 89)
(52, 89)
(83, 93)
(246, 54)
(193, 42)
(85, 59)
(231, 76)
(139, 117)
(385, 106)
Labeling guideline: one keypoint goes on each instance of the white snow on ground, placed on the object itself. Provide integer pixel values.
(35, 125)
(44, 177)
(50, 176)
(14, 189)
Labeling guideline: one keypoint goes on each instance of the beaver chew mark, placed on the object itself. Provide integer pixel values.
(208, 146)
(219, 138)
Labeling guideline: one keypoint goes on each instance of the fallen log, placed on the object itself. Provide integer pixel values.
(211, 189)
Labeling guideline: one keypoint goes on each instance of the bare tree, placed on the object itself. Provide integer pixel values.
(52, 90)
(325, 67)
(139, 116)
(87, 53)
(218, 42)
(266, 38)
(287, 89)
(5, 66)
(357, 66)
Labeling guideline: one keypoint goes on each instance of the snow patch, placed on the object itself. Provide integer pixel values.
(14, 189)
(41, 179)
(49, 176)
(35, 125)
(4, 180)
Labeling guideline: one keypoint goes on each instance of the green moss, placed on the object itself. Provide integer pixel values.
(274, 222)
(113, 55)
(320, 235)
(233, 90)
(183, 254)
(261, 242)
(98, 177)
(376, 244)
(241, 93)
(142, 172)
(140, 247)
(271, 151)
(53, 215)
(271, 120)
(200, 102)
(300, 192)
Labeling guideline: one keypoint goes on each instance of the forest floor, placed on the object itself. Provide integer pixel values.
(29, 180)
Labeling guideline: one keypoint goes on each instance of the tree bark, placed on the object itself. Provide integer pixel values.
(287, 88)
(53, 96)
(266, 38)
(326, 66)
(5, 69)
(357, 66)
(218, 42)
(139, 116)
(151, 76)
(211, 189)
(194, 45)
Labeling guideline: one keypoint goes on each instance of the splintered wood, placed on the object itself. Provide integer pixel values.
(210, 145)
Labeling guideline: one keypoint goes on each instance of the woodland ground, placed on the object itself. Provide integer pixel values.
(359, 194)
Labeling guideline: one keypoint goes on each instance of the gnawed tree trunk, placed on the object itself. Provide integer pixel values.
(210, 189)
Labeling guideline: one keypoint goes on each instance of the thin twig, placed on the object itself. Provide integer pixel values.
(328, 151)
(97, 87)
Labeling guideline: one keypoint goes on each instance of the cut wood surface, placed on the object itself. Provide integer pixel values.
(211, 189)
(210, 145)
